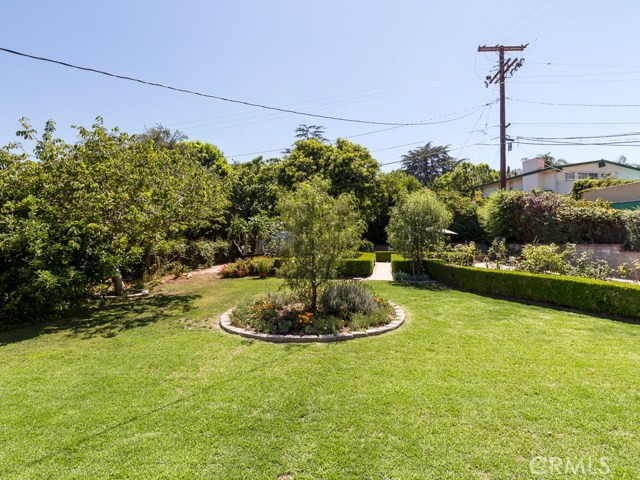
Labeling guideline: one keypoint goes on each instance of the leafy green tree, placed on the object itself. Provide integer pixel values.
(428, 162)
(86, 213)
(208, 155)
(321, 231)
(254, 188)
(465, 177)
(161, 136)
(466, 218)
(349, 167)
(417, 225)
(392, 187)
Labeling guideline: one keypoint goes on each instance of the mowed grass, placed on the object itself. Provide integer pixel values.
(469, 387)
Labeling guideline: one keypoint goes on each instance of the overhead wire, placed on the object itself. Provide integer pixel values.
(201, 94)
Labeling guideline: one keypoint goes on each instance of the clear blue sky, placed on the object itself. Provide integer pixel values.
(401, 61)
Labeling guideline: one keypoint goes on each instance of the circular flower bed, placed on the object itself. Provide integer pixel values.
(345, 310)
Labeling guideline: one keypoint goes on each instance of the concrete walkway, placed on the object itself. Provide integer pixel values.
(381, 271)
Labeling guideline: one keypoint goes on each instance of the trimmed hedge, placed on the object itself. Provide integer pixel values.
(359, 267)
(401, 264)
(580, 293)
(384, 255)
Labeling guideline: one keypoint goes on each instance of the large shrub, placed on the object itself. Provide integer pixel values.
(523, 217)
(544, 217)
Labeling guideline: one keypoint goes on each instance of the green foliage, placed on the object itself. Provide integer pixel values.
(584, 294)
(255, 235)
(254, 188)
(551, 218)
(464, 178)
(631, 220)
(392, 187)
(346, 298)
(358, 267)
(349, 167)
(399, 264)
(580, 186)
(321, 232)
(208, 155)
(466, 217)
(523, 217)
(461, 254)
(428, 162)
(86, 212)
(546, 259)
(497, 253)
(263, 266)
(416, 226)
(563, 261)
(384, 255)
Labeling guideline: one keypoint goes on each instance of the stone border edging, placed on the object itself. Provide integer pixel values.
(225, 324)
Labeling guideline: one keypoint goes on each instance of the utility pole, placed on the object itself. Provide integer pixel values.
(504, 69)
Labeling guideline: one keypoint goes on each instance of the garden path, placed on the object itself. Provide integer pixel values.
(381, 271)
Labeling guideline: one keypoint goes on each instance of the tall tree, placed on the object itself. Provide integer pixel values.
(428, 162)
(465, 178)
(348, 166)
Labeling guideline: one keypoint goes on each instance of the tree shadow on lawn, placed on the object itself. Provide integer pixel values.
(435, 286)
(108, 318)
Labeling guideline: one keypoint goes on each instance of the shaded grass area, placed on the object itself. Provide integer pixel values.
(469, 387)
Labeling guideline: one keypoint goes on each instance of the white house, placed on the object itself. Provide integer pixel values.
(535, 175)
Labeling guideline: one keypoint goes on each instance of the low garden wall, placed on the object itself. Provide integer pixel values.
(580, 293)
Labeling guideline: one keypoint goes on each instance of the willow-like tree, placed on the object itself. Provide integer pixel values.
(416, 226)
(320, 232)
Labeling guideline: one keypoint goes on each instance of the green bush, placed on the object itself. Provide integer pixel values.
(399, 264)
(580, 293)
(384, 255)
(359, 267)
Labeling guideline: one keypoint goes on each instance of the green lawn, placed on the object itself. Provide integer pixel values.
(469, 387)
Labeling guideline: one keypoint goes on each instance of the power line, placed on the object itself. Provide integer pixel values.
(612, 105)
(472, 110)
(206, 95)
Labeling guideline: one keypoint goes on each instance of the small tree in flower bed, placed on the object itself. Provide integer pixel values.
(321, 231)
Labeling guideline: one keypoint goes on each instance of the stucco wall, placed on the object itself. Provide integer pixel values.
(614, 255)
(618, 193)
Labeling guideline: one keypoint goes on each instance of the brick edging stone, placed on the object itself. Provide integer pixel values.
(225, 324)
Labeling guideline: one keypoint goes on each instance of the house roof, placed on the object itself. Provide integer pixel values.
(561, 167)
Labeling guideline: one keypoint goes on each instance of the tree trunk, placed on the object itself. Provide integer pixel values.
(118, 283)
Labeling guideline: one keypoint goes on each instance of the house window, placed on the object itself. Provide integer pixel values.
(582, 175)
(569, 176)
(593, 175)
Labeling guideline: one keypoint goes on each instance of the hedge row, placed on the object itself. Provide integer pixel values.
(359, 267)
(581, 293)
(401, 264)
(384, 255)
